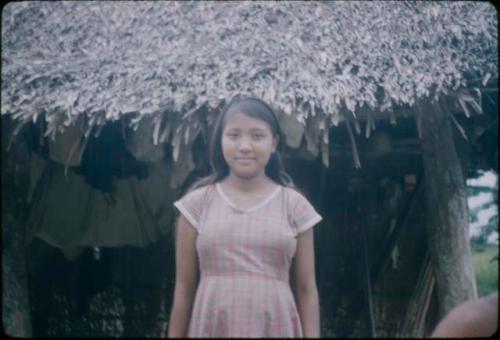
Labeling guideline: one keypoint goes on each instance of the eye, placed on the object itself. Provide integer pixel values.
(257, 134)
(232, 135)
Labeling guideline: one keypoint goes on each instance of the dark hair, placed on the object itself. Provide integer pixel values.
(255, 108)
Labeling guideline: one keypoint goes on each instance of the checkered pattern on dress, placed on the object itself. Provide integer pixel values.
(244, 259)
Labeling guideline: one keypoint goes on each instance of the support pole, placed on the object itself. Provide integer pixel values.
(448, 216)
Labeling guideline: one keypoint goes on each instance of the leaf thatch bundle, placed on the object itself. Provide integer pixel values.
(172, 64)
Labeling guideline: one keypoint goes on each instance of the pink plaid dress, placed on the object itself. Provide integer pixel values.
(244, 259)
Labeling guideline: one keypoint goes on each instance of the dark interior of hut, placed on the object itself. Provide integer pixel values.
(125, 287)
(371, 249)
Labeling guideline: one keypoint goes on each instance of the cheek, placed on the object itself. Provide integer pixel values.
(265, 149)
(227, 147)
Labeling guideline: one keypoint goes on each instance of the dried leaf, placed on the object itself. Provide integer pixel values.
(325, 153)
(293, 130)
(355, 155)
(166, 131)
(157, 123)
(368, 126)
(106, 57)
(176, 143)
(464, 107)
(486, 78)
(459, 127)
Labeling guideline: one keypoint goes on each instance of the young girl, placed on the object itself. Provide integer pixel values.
(237, 234)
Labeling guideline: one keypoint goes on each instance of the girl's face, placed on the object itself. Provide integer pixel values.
(247, 144)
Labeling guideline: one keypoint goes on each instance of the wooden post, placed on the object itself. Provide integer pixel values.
(447, 223)
(16, 314)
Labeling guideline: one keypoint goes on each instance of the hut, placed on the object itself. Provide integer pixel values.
(107, 107)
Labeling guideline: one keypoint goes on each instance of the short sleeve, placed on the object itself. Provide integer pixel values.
(191, 206)
(302, 214)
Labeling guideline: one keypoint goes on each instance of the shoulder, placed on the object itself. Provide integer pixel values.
(301, 214)
(193, 204)
(478, 307)
(293, 196)
(481, 309)
(198, 197)
(472, 318)
(200, 192)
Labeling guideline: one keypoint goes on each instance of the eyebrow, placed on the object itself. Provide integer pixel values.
(252, 130)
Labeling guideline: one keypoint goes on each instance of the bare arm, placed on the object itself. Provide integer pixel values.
(305, 285)
(186, 278)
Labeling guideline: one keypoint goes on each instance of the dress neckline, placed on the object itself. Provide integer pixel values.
(255, 207)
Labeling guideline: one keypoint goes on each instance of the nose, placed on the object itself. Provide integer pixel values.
(244, 145)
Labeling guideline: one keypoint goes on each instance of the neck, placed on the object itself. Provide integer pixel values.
(247, 184)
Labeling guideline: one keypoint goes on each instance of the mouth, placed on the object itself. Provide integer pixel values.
(244, 160)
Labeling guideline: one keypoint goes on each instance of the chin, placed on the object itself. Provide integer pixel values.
(245, 174)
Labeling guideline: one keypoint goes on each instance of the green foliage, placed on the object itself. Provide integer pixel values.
(485, 261)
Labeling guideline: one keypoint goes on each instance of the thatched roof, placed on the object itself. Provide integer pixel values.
(319, 62)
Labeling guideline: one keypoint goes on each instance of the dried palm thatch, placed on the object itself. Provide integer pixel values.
(170, 65)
